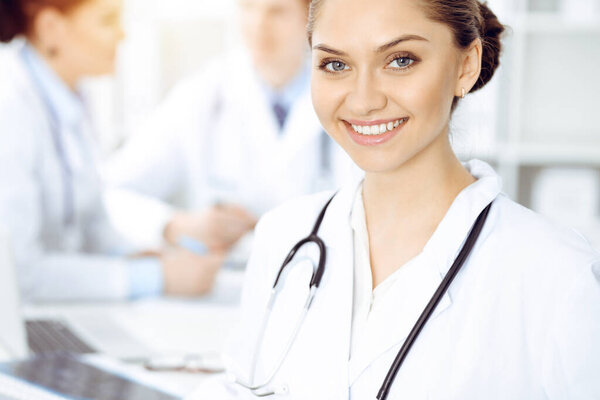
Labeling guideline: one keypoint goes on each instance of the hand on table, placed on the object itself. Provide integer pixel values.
(189, 274)
(219, 227)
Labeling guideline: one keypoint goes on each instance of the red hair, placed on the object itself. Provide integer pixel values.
(17, 16)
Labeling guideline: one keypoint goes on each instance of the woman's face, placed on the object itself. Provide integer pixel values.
(88, 37)
(383, 66)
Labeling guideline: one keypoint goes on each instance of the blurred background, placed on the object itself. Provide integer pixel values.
(535, 123)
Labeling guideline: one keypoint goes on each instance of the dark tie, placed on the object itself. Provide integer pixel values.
(281, 113)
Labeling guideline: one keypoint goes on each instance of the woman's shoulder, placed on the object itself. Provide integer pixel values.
(532, 246)
(18, 94)
(18, 102)
(528, 230)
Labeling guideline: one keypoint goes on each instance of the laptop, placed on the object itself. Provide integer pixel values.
(94, 333)
(51, 375)
(66, 376)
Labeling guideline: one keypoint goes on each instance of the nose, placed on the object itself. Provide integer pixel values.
(366, 96)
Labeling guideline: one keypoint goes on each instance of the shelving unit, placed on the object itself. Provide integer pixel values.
(546, 99)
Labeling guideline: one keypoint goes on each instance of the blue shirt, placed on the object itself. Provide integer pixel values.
(291, 92)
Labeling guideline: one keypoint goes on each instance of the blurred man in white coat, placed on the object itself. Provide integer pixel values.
(236, 139)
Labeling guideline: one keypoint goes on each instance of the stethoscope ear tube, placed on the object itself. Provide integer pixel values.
(428, 311)
(317, 274)
(312, 238)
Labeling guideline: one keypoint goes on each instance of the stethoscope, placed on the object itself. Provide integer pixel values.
(262, 390)
(65, 167)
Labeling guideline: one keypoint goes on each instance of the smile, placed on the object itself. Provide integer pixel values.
(377, 129)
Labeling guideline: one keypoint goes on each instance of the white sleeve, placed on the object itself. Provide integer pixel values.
(572, 355)
(151, 161)
(153, 165)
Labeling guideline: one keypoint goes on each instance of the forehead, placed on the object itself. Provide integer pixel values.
(273, 3)
(346, 24)
(100, 5)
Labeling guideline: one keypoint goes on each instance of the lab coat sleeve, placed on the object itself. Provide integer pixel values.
(572, 354)
(151, 161)
(242, 340)
(154, 161)
(43, 274)
(150, 165)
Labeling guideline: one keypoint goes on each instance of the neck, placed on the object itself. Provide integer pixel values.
(420, 191)
(64, 71)
(278, 78)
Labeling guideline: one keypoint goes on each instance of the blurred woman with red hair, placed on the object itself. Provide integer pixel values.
(50, 190)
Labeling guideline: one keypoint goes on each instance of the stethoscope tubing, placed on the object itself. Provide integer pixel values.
(315, 281)
(430, 308)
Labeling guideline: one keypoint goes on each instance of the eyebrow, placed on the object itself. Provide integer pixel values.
(380, 49)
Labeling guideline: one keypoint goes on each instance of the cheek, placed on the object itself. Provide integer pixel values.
(428, 96)
(325, 98)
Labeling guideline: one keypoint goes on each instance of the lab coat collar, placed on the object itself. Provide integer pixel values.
(301, 125)
(66, 106)
(337, 218)
(410, 294)
(291, 92)
(447, 240)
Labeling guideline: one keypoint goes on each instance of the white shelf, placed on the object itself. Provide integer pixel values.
(548, 154)
(555, 23)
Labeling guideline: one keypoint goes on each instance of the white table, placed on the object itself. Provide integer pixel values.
(169, 326)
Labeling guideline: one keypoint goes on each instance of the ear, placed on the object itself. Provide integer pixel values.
(49, 29)
(470, 67)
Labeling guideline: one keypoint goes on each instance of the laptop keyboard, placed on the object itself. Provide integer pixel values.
(15, 389)
(48, 336)
(68, 377)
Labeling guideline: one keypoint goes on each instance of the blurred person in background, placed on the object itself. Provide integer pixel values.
(50, 192)
(234, 140)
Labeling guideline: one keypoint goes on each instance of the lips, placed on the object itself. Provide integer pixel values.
(370, 133)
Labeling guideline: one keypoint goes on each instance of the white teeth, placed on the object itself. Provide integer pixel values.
(377, 129)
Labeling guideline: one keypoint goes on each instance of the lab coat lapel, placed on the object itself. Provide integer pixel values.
(321, 351)
(337, 290)
(405, 301)
(394, 315)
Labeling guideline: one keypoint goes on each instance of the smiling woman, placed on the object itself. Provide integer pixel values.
(435, 285)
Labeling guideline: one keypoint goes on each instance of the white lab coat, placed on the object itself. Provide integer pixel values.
(521, 320)
(215, 139)
(55, 261)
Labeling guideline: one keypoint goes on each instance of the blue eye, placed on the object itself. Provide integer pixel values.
(402, 62)
(335, 66)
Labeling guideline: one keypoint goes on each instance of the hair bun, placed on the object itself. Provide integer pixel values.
(491, 32)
